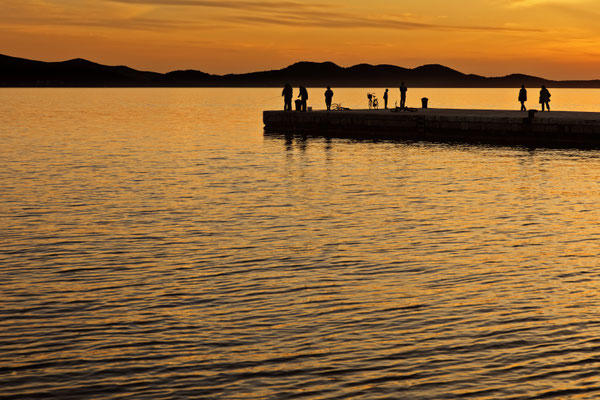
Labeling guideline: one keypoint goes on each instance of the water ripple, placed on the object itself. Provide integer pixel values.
(166, 253)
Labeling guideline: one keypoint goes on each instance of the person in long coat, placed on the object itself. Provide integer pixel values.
(523, 97)
(545, 98)
(287, 94)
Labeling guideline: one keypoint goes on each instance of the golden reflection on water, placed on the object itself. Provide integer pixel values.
(155, 235)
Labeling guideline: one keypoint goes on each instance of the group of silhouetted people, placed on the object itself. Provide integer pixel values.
(544, 98)
(403, 91)
(288, 94)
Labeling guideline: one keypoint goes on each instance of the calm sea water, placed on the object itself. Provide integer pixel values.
(154, 244)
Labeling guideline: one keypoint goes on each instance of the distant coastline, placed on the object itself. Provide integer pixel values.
(20, 72)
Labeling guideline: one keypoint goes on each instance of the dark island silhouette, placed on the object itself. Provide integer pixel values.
(20, 72)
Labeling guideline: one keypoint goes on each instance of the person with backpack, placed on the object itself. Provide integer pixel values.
(545, 98)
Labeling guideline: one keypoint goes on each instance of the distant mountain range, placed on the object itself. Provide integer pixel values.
(20, 72)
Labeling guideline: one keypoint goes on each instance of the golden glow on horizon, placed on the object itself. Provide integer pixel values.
(550, 38)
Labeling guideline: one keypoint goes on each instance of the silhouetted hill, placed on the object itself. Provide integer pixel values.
(77, 72)
(20, 72)
(185, 78)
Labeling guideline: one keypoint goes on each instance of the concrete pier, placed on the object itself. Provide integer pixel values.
(545, 129)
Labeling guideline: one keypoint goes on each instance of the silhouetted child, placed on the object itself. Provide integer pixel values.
(403, 90)
(303, 97)
(523, 97)
(385, 98)
(328, 97)
(545, 98)
(287, 94)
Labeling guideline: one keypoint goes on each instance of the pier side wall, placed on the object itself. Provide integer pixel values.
(442, 125)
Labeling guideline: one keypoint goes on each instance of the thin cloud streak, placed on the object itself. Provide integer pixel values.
(534, 3)
(236, 5)
(306, 16)
(139, 24)
(355, 22)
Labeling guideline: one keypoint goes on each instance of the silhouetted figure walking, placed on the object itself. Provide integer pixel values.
(385, 98)
(303, 97)
(403, 90)
(545, 98)
(287, 94)
(328, 97)
(523, 97)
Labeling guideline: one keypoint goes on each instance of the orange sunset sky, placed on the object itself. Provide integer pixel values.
(558, 39)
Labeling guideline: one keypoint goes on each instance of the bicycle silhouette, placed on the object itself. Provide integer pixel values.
(338, 107)
(373, 102)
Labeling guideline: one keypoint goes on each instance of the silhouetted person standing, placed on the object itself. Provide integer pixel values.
(523, 97)
(403, 90)
(545, 98)
(287, 94)
(385, 98)
(303, 97)
(328, 97)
